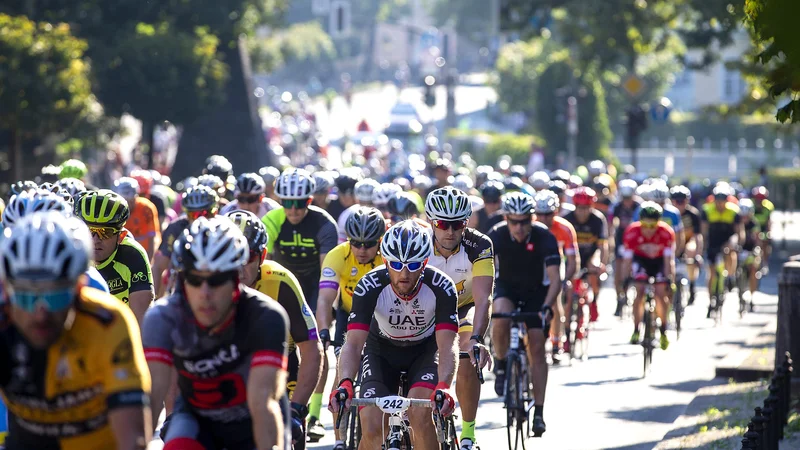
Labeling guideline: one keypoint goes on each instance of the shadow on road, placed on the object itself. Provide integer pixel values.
(655, 414)
(641, 446)
(689, 385)
(602, 382)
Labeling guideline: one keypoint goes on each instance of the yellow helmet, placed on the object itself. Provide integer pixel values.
(103, 208)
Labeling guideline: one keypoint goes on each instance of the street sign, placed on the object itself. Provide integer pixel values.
(633, 85)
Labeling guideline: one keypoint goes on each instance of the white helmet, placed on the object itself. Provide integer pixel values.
(448, 203)
(422, 182)
(214, 182)
(540, 180)
(199, 198)
(746, 207)
(323, 182)
(645, 191)
(383, 193)
(659, 192)
(127, 188)
(517, 203)
(596, 167)
(406, 242)
(627, 188)
(46, 246)
(294, 184)
(215, 244)
(364, 190)
(545, 202)
(463, 183)
(250, 183)
(27, 202)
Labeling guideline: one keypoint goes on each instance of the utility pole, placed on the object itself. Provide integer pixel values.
(572, 131)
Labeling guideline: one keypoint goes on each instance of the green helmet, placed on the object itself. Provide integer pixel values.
(73, 168)
(104, 208)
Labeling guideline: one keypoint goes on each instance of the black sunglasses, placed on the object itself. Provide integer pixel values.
(519, 222)
(297, 204)
(216, 280)
(248, 198)
(363, 244)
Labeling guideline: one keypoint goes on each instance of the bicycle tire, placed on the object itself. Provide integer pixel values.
(647, 342)
(742, 282)
(677, 309)
(512, 398)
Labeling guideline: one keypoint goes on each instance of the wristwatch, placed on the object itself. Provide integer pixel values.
(477, 338)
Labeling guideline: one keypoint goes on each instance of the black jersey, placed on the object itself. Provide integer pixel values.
(171, 234)
(624, 216)
(487, 221)
(691, 222)
(589, 234)
(524, 264)
(213, 368)
(335, 208)
(392, 320)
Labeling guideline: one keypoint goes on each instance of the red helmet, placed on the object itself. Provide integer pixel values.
(145, 179)
(584, 196)
(760, 193)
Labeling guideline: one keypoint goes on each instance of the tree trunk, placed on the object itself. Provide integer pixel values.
(233, 129)
(147, 139)
(16, 154)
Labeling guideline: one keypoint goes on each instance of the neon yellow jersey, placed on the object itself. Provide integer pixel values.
(473, 258)
(341, 271)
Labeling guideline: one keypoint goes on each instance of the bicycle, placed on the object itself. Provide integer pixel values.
(578, 329)
(717, 294)
(650, 325)
(747, 260)
(518, 395)
(681, 293)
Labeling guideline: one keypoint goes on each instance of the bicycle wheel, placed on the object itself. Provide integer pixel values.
(511, 399)
(742, 282)
(353, 430)
(677, 308)
(647, 341)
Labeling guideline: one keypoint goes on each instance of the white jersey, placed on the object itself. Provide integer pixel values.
(343, 220)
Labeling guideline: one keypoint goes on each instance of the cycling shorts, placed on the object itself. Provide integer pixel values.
(466, 315)
(382, 365)
(292, 369)
(644, 268)
(527, 301)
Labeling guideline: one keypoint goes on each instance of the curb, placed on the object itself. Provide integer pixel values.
(747, 364)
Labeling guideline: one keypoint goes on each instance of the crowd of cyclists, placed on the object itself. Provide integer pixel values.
(217, 302)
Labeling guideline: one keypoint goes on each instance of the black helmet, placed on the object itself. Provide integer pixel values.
(21, 186)
(491, 191)
(558, 187)
(650, 211)
(680, 193)
(346, 182)
(218, 165)
(402, 206)
(253, 229)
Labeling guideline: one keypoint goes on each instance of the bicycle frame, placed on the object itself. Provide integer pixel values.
(395, 406)
(650, 324)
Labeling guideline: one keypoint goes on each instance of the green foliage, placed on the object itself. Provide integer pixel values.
(488, 147)
(305, 46)
(519, 66)
(45, 81)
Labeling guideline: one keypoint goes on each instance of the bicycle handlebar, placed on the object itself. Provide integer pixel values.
(518, 316)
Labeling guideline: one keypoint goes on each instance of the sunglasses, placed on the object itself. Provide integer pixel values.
(297, 204)
(194, 215)
(104, 233)
(544, 214)
(54, 301)
(363, 244)
(398, 266)
(518, 222)
(649, 224)
(447, 224)
(216, 280)
(254, 256)
(248, 198)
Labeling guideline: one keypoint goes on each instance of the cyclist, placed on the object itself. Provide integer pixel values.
(603, 190)
(363, 191)
(658, 192)
(540, 180)
(228, 343)
(403, 207)
(751, 248)
(763, 211)
(269, 174)
(546, 209)
(491, 214)
(405, 312)
(591, 228)
(527, 278)
(220, 167)
(300, 235)
(323, 182)
(692, 251)
(73, 372)
(621, 215)
(650, 252)
(218, 185)
(381, 196)
(465, 255)
(122, 262)
(198, 201)
(145, 181)
(722, 231)
(74, 186)
(75, 168)
(273, 280)
(250, 196)
(345, 194)
(341, 270)
(143, 222)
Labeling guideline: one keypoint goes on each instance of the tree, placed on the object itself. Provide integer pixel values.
(305, 46)
(45, 84)
(773, 27)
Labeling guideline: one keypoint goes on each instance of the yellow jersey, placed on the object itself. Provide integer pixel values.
(474, 257)
(282, 286)
(341, 271)
(60, 397)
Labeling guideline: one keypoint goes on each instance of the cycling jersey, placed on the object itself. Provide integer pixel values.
(624, 216)
(590, 234)
(342, 220)
(472, 258)
(173, 232)
(671, 216)
(279, 284)
(523, 265)
(59, 398)
(486, 221)
(127, 270)
(565, 209)
(763, 212)
(341, 271)
(402, 323)
(691, 222)
(660, 244)
(335, 208)
(565, 236)
(297, 247)
(266, 205)
(95, 280)
(213, 368)
(751, 231)
(143, 222)
(721, 224)
(603, 205)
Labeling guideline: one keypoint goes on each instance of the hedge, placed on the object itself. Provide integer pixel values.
(488, 147)
(784, 187)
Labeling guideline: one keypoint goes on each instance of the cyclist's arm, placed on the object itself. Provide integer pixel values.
(704, 227)
(448, 355)
(680, 241)
(552, 263)
(627, 254)
(571, 266)
(160, 264)
(603, 238)
(139, 301)
(157, 342)
(447, 331)
(669, 259)
(365, 299)
(141, 290)
(327, 239)
(350, 356)
(482, 282)
(325, 299)
(128, 426)
(739, 227)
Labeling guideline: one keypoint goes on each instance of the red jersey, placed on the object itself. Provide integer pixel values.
(660, 244)
(565, 235)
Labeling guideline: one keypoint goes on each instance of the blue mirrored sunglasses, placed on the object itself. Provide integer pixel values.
(53, 301)
(397, 266)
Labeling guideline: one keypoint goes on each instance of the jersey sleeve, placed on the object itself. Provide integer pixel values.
(332, 267)
(273, 221)
(139, 265)
(483, 257)
(446, 302)
(494, 236)
(268, 337)
(126, 377)
(302, 325)
(341, 235)
(629, 241)
(695, 223)
(154, 220)
(157, 334)
(603, 235)
(552, 257)
(365, 299)
(327, 236)
(171, 234)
